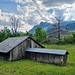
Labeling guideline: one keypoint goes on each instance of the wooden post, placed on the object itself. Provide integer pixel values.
(11, 55)
(32, 44)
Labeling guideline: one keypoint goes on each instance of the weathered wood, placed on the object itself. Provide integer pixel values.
(38, 53)
(47, 58)
(11, 55)
(19, 51)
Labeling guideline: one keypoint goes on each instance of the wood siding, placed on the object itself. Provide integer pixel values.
(47, 58)
(19, 51)
(34, 44)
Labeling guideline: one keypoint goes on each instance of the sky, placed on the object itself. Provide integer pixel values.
(32, 12)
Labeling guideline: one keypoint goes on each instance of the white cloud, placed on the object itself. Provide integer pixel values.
(35, 11)
(26, 27)
(4, 18)
(5, 21)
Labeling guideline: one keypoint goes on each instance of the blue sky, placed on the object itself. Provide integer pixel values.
(32, 12)
(9, 6)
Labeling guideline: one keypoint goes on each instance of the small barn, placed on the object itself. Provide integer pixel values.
(58, 57)
(14, 48)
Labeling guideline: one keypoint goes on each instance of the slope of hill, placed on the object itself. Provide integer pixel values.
(70, 25)
(43, 25)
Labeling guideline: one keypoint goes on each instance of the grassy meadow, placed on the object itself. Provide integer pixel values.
(30, 67)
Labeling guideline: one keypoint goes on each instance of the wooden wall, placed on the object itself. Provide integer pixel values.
(34, 44)
(19, 51)
(31, 44)
(48, 58)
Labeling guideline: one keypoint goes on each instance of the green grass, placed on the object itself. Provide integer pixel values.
(30, 67)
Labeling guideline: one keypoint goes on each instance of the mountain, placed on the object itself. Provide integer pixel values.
(70, 25)
(43, 25)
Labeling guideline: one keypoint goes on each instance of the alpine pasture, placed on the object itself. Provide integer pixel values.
(30, 67)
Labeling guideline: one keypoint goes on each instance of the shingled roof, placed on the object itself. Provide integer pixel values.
(10, 43)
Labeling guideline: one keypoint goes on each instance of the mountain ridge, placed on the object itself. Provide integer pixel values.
(70, 25)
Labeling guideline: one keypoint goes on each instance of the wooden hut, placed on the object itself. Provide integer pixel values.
(14, 48)
(52, 56)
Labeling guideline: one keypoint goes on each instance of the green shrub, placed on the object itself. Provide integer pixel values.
(60, 42)
(69, 40)
(47, 41)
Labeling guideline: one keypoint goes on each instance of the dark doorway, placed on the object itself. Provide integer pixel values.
(5, 56)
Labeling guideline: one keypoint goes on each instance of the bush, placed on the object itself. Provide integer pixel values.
(47, 41)
(50, 41)
(69, 40)
(66, 40)
(60, 42)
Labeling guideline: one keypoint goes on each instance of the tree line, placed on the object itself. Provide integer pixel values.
(39, 35)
